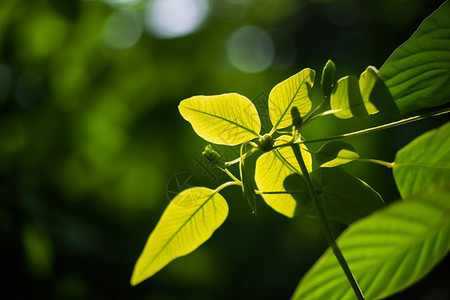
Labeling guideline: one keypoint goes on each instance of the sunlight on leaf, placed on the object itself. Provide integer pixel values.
(387, 251)
(424, 163)
(291, 92)
(272, 168)
(189, 220)
(376, 95)
(367, 82)
(346, 99)
(418, 72)
(228, 119)
(335, 153)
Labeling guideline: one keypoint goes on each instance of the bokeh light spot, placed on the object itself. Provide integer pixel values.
(175, 18)
(250, 49)
(122, 30)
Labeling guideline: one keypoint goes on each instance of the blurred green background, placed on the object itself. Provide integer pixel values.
(91, 141)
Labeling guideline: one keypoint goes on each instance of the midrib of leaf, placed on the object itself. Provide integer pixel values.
(399, 165)
(290, 103)
(285, 162)
(224, 119)
(393, 254)
(181, 227)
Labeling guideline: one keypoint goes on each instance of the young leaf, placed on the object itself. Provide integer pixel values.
(423, 163)
(271, 170)
(328, 79)
(344, 197)
(347, 101)
(228, 119)
(376, 95)
(293, 91)
(336, 153)
(189, 220)
(418, 72)
(386, 251)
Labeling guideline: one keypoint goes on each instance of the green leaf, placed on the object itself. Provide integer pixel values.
(423, 163)
(376, 95)
(228, 119)
(344, 197)
(387, 251)
(335, 153)
(189, 220)
(291, 92)
(271, 170)
(328, 79)
(418, 72)
(346, 99)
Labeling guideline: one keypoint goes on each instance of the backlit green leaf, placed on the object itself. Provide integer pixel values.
(386, 251)
(336, 153)
(271, 170)
(344, 197)
(423, 163)
(291, 92)
(347, 101)
(376, 95)
(189, 220)
(418, 72)
(228, 119)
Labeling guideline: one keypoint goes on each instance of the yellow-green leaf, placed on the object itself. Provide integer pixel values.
(291, 92)
(346, 99)
(367, 82)
(376, 95)
(227, 119)
(336, 153)
(272, 168)
(189, 220)
(359, 98)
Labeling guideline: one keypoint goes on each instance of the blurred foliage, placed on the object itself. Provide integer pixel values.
(90, 138)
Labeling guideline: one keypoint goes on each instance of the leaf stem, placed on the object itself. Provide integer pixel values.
(226, 184)
(389, 165)
(232, 176)
(246, 154)
(377, 128)
(325, 226)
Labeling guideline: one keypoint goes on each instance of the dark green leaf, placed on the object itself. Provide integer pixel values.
(387, 251)
(423, 163)
(344, 197)
(418, 72)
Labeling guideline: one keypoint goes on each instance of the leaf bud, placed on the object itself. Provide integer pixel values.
(265, 143)
(213, 157)
(328, 77)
